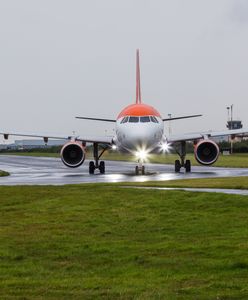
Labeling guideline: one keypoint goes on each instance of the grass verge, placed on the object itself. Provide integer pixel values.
(218, 183)
(104, 242)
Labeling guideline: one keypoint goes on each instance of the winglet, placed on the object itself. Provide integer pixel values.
(138, 91)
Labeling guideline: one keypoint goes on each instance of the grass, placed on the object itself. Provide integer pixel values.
(218, 183)
(3, 173)
(234, 160)
(105, 242)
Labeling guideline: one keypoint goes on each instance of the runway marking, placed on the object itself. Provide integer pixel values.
(199, 190)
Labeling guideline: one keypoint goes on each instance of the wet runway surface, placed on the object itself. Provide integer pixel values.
(51, 171)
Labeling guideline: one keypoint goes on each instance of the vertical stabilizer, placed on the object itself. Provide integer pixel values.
(138, 91)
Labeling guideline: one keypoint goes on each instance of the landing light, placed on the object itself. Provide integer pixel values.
(142, 155)
(165, 147)
(114, 147)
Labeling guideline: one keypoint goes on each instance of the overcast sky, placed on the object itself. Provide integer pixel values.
(59, 59)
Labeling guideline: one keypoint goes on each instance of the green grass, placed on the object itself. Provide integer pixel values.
(234, 160)
(106, 242)
(218, 183)
(3, 173)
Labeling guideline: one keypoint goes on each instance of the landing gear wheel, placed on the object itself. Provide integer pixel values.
(187, 166)
(177, 166)
(102, 167)
(143, 170)
(136, 170)
(91, 167)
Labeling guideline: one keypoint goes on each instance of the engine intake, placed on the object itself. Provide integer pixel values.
(73, 154)
(206, 152)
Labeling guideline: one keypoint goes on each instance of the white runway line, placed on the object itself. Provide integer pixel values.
(202, 190)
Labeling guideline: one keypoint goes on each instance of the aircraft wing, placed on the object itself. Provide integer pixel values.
(183, 117)
(97, 119)
(206, 134)
(46, 137)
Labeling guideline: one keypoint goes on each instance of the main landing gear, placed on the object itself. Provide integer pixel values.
(182, 163)
(96, 164)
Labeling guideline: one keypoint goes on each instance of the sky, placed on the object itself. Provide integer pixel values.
(60, 59)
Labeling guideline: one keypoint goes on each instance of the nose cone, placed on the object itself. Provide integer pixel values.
(142, 137)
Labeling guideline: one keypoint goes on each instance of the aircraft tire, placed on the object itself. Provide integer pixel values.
(143, 170)
(177, 166)
(187, 166)
(91, 167)
(102, 167)
(136, 170)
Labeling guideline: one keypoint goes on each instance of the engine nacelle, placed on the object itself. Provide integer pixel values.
(73, 154)
(206, 152)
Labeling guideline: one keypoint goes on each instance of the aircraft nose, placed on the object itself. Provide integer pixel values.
(142, 138)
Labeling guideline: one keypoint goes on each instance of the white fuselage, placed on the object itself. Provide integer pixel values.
(136, 133)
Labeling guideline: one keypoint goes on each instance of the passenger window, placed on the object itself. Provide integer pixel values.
(133, 119)
(144, 119)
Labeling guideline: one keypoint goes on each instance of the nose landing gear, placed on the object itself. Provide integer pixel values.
(140, 169)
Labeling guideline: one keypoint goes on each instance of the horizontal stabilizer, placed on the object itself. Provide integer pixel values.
(96, 119)
(179, 118)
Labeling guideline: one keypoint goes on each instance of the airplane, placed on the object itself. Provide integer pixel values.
(139, 129)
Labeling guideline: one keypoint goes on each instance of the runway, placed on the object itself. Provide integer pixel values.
(26, 170)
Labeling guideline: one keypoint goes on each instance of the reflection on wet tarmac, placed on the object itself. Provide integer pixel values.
(43, 171)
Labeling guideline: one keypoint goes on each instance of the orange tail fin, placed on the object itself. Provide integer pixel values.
(138, 91)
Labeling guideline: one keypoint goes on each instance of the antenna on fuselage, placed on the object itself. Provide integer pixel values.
(138, 91)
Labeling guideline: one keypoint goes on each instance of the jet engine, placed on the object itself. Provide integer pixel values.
(73, 154)
(206, 152)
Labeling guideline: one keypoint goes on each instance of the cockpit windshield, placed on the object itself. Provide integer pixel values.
(133, 119)
(143, 119)
(154, 119)
(124, 120)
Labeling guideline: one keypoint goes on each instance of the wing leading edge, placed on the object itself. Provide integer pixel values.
(203, 135)
(45, 137)
(183, 117)
(96, 119)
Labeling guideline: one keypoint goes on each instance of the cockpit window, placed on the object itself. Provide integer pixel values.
(144, 119)
(154, 119)
(124, 120)
(133, 119)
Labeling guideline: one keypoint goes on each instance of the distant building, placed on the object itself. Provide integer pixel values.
(234, 124)
(31, 144)
(219, 139)
(3, 147)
